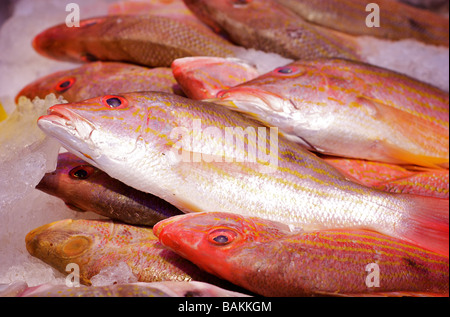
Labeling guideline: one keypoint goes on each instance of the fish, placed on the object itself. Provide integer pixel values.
(84, 187)
(267, 258)
(397, 20)
(202, 77)
(101, 78)
(138, 289)
(199, 156)
(153, 41)
(349, 109)
(95, 245)
(268, 26)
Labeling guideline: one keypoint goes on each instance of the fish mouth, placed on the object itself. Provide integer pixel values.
(70, 129)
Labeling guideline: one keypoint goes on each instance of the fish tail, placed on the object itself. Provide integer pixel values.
(427, 224)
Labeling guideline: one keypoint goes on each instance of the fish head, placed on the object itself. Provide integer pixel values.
(66, 43)
(74, 181)
(86, 243)
(60, 243)
(120, 134)
(71, 84)
(212, 239)
(95, 126)
(266, 92)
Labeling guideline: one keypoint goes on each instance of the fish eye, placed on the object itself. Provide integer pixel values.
(88, 57)
(289, 70)
(222, 236)
(76, 245)
(81, 172)
(64, 84)
(285, 70)
(241, 3)
(115, 102)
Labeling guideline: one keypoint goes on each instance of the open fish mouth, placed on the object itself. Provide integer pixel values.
(71, 130)
(69, 121)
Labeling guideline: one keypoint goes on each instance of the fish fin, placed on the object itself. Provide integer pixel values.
(427, 224)
(3, 114)
(421, 160)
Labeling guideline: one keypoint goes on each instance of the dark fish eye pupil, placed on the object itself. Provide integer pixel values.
(64, 84)
(81, 174)
(114, 102)
(285, 70)
(221, 239)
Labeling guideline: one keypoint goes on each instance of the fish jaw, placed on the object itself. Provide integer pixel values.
(76, 129)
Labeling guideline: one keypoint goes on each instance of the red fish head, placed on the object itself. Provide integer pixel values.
(212, 240)
(63, 42)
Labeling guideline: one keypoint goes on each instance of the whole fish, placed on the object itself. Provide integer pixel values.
(203, 77)
(139, 289)
(267, 258)
(268, 26)
(200, 156)
(349, 109)
(94, 245)
(397, 20)
(148, 40)
(84, 187)
(101, 78)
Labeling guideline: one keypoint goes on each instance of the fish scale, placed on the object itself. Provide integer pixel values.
(269, 259)
(290, 185)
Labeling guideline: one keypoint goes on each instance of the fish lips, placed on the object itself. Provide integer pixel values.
(69, 128)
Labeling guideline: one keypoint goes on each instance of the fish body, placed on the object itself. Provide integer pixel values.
(394, 178)
(430, 183)
(98, 244)
(203, 77)
(268, 259)
(268, 26)
(149, 40)
(101, 78)
(347, 109)
(84, 187)
(397, 20)
(138, 289)
(200, 156)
